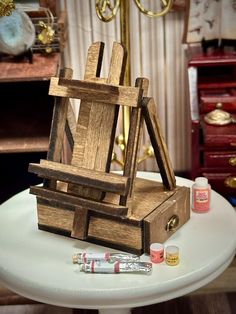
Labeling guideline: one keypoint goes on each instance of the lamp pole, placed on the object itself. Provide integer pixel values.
(106, 10)
(125, 41)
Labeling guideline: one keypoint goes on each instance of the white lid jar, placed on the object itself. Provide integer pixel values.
(201, 182)
(201, 195)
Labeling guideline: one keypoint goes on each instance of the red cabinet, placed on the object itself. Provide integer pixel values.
(212, 85)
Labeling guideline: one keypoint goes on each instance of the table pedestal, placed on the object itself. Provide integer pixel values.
(115, 311)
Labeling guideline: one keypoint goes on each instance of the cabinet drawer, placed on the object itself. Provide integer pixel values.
(223, 183)
(221, 159)
(219, 137)
(208, 104)
(221, 99)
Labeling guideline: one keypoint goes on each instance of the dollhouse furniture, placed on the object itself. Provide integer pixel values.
(27, 111)
(82, 198)
(38, 264)
(212, 84)
(25, 118)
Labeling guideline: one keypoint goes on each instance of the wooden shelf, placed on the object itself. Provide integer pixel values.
(42, 68)
(24, 145)
(219, 58)
(26, 108)
(217, 84)
(25, 128)
(26, 111)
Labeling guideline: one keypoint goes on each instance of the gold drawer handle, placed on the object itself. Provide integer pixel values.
(219, 105)
(232, 161)
(172, 223)
(230, 182)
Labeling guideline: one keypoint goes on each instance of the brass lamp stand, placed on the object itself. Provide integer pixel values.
(106, 11)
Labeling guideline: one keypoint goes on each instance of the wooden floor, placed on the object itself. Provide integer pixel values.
(221, 303)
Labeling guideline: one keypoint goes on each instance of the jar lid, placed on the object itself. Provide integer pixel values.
(172, 249)
(201, 181)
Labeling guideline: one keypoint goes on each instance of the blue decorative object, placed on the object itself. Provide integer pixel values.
(17, 33)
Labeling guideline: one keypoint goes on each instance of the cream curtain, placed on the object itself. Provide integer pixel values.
(156, 53)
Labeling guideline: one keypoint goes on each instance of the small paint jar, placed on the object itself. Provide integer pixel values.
(201, 195)
(156, 252)
(172, 255)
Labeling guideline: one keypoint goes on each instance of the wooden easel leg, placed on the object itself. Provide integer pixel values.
(131, 164)
(158, 143)
(58, 128)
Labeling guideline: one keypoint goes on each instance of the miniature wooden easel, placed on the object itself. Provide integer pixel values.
(88, 180)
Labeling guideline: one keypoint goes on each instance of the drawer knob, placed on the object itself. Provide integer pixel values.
(219, 105)
(172, 223)
(230, 182)
(232, 161)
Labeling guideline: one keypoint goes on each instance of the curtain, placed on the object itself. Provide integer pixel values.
(156, 53)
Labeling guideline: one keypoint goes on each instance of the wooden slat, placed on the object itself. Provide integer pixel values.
(96, 127)
(158, 143)
(92, 70)
(57, 217)
(94, 60)
(94, 91)
(70, 125)
(58, 123)
(111, 232)
(108, 182)
(58, 127)
(125, 236)
(131, 163)
(62, 197)
(80, 223)
(100, 80)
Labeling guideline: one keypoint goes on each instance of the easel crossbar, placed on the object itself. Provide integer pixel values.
(70, 201)
(93, 91)
(108, 182)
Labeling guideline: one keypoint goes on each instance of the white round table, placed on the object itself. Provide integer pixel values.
(38, 264)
